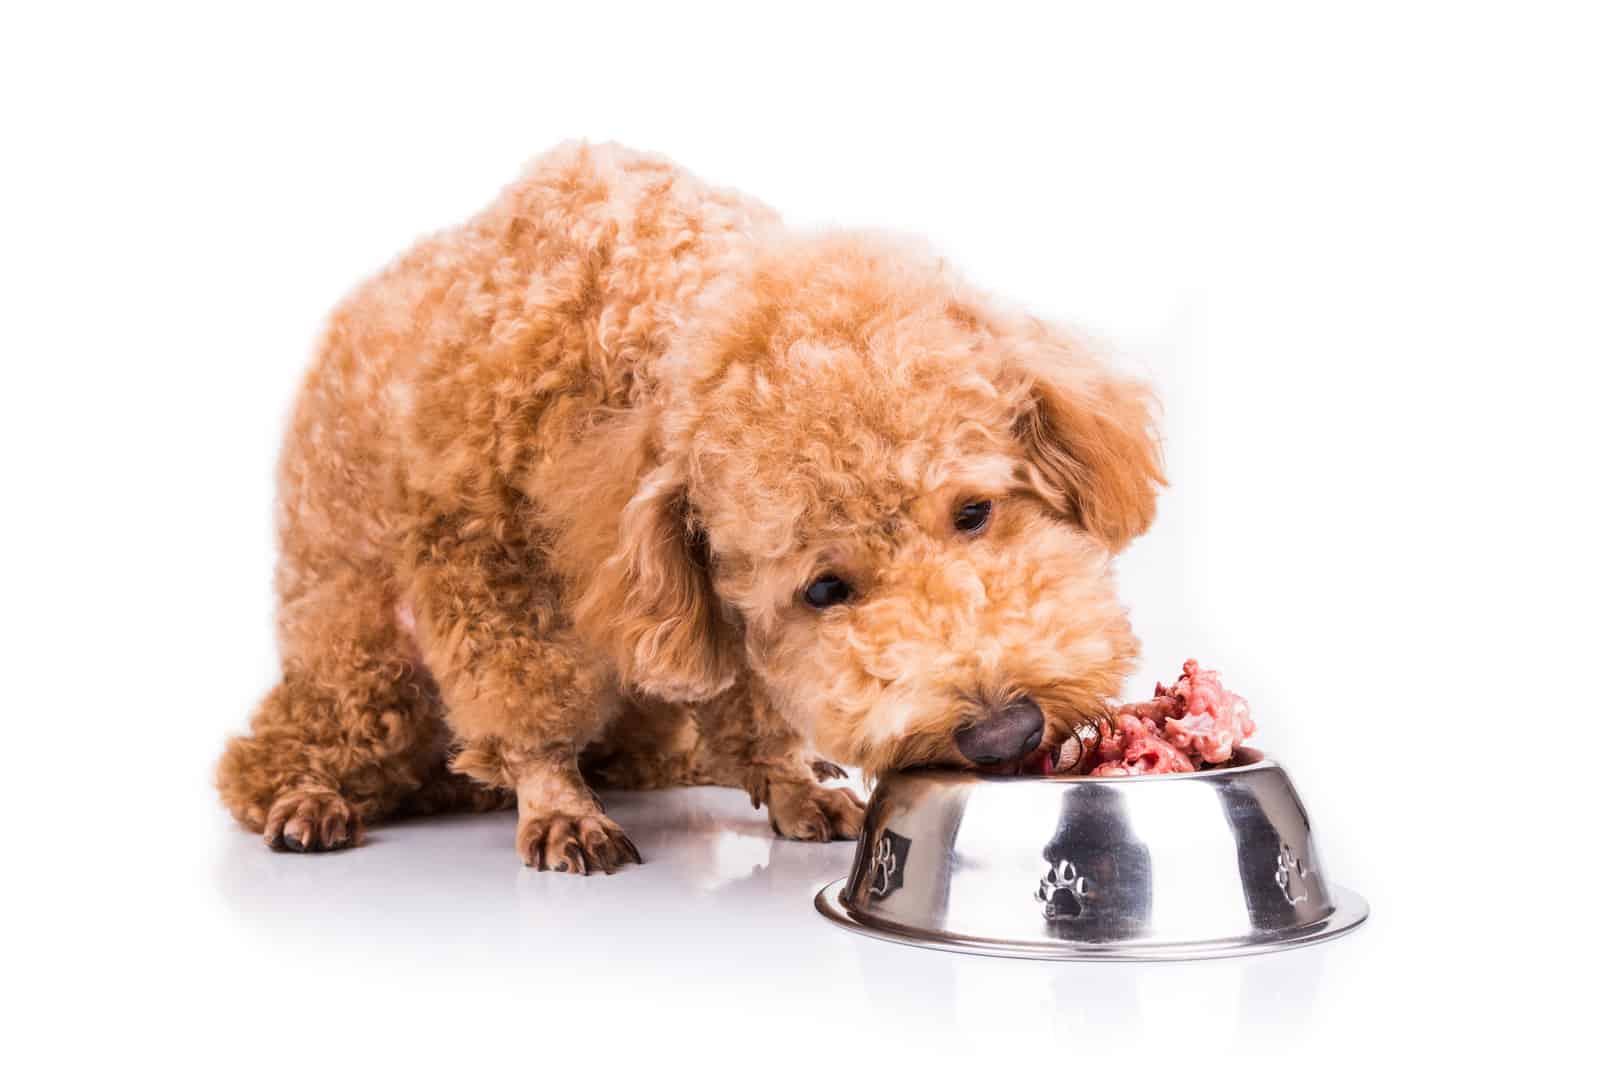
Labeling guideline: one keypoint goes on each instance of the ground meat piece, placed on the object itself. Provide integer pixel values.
(1191, 724)
(1138, 748)
(1209, 720)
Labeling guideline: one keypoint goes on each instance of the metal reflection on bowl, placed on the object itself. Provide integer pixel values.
(1212, 863)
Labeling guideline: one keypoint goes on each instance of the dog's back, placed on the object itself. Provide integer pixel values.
(513, 328)
(440, 388)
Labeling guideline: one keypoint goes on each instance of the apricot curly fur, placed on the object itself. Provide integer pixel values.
(556, 478)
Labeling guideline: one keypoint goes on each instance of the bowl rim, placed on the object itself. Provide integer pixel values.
(1350, 911)
(1258, 761)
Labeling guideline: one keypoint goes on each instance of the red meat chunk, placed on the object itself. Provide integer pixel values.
(1210, 719)
(1194, 723)
(1137, 747)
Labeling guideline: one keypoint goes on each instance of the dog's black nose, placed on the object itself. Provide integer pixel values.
(1010, 733)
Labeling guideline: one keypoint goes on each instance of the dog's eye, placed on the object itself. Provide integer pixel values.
(826, 591)
(973, 516)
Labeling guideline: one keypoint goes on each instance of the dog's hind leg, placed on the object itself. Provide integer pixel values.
(742, 741)
(351, 731)
(735, 739)
(451, 791)
(650, 745)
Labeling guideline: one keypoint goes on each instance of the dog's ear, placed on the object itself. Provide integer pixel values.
(641, 572)
(1090, 434)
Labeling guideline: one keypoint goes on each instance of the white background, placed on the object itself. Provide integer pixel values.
(1354, 245)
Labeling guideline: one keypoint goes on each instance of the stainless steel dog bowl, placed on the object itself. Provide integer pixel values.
(1169, 867)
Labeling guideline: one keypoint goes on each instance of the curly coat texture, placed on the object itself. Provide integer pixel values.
(557, 478)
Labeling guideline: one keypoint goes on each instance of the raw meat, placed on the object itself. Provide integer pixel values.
(1194, 723)
(1138, 748)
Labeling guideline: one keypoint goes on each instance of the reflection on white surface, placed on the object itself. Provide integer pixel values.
(1240, 1004)
(720, 914)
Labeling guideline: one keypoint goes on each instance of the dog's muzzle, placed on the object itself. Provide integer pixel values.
(1009, 734)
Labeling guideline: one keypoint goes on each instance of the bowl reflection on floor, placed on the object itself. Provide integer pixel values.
(1207, 864)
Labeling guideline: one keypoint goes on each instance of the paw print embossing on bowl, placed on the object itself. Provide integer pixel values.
(1062, 891)
(1167, 867)
(1291, 875)
(888, 863)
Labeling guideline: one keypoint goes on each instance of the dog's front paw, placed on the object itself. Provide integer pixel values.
(811, 813)
(311, 820)
(573, 842)
(826, 769)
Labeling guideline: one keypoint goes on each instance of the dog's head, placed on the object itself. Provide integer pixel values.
(892, 503)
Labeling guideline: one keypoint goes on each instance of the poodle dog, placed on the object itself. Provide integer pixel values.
(623, 484)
